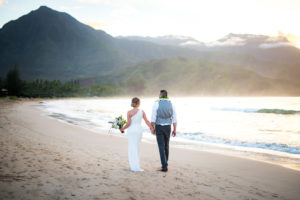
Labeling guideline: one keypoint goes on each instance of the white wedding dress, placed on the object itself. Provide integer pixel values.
(134, 134)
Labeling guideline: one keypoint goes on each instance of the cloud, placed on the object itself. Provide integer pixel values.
(276, 39)
(274, 45)
(190, 42)
(231, 41)
(284, 40)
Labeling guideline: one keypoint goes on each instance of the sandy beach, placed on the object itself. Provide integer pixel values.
(43, 158)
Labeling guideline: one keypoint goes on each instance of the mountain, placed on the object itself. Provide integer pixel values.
(53, 45)
(273, 57)
(183, 76)
(267, 48)
(138, 51)
(171, 40)
(48, 44)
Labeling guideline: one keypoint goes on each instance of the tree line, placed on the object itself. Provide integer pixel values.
(13, 85)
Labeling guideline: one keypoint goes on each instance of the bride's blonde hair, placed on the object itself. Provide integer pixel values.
(135, 102)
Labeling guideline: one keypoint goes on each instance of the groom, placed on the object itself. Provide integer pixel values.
(163, 115)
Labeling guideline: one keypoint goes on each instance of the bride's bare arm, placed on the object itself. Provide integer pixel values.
(147, 122)
(128, 122)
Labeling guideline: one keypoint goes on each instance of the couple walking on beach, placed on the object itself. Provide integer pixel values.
(163, 115)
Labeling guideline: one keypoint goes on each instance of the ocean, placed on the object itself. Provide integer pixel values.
(260, 128)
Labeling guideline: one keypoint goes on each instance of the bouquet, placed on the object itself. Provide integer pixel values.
(118, 123)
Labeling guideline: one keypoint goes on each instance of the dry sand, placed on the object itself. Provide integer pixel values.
(42, 158)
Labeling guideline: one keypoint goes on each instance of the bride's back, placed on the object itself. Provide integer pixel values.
(136, 119)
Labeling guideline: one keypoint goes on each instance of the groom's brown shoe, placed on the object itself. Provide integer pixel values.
(165, 169)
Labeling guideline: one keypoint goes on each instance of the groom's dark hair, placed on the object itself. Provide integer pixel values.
(164, 93)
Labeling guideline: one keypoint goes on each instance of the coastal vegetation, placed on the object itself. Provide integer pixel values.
(13, 85)
(180, 76)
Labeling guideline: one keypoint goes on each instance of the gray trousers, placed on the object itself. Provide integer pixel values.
(163, 137)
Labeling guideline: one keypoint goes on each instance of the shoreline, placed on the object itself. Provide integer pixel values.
(44, 158)
(281, 158)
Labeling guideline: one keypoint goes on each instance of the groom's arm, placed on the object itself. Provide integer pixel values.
(174, 120)
(174, 129)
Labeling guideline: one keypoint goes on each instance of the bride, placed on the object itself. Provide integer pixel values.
(134, 133)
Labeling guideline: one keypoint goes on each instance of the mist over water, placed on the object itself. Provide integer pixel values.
(264, 127)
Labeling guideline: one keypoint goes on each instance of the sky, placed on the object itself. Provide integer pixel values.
(204, 20)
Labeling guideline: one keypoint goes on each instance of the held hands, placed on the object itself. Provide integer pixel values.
(152, 130)
(151, 126)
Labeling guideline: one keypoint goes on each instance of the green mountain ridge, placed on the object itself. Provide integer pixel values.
(279, 59)
(182, 76)
(49, 44)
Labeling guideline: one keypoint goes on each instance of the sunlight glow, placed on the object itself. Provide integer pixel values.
(295, 40)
